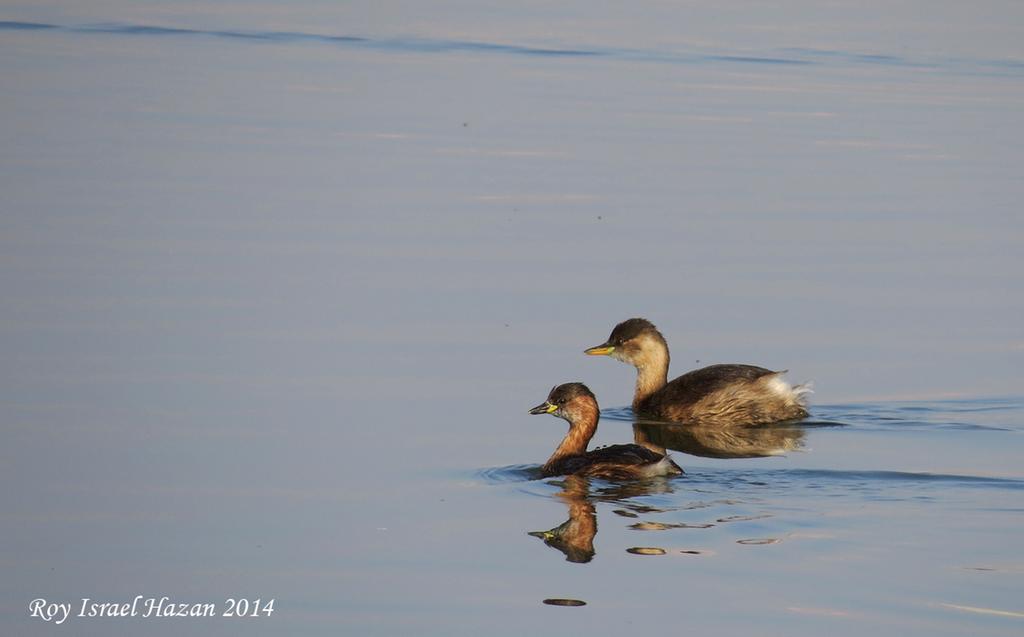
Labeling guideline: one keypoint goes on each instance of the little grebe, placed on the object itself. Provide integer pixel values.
(577, 405)
(715, 395)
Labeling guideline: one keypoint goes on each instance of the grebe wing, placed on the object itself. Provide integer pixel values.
(691, 386)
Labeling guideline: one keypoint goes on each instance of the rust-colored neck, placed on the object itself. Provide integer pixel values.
(582, 425)
(575, 536)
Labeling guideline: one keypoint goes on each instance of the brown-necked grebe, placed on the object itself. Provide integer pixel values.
(719, 394)
(577, 405)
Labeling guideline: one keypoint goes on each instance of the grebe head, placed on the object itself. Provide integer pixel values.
(635, 341)
(571, 401)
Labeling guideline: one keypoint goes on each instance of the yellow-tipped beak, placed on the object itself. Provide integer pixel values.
(600, 350)
(544, 408)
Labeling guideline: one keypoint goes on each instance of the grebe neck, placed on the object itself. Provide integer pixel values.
(581, 430)
(651, 373)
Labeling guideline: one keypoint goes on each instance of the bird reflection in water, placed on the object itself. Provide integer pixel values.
(733, 441)
(575, 536)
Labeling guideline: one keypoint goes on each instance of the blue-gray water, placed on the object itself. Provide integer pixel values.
(280, 282)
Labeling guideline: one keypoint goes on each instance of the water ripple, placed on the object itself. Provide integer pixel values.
(25, 26)
(512, 473)
(847, 479)
(810, 475)
(788, 56)
(989, 414)
(976, 414)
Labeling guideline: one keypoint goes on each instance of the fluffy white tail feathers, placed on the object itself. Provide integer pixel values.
(796, 394)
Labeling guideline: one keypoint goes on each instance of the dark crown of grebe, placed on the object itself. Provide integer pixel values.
(630, 328)
(560, 396)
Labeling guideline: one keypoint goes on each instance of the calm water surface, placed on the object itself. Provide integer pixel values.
(280, 283)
